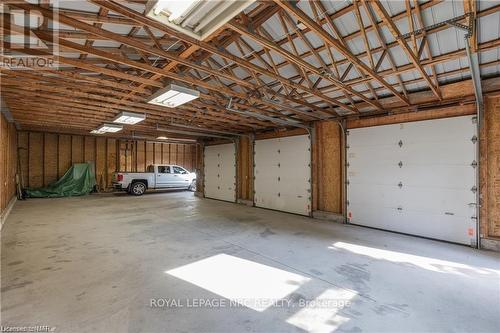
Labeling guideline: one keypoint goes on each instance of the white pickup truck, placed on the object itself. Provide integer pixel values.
(159, 176)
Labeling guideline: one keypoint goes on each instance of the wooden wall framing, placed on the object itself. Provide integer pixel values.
(245, 169)
(46, 156)
(490, 169)
(8, 163)
(327, 167)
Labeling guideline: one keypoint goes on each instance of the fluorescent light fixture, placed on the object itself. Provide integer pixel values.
(97, 132)
(129, 118)
(195, 18)
(110, 128)
(301, 26)
(162, 138)
(173, 96)
(174, 9)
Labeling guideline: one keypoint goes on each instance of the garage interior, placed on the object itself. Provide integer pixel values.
(346, 157)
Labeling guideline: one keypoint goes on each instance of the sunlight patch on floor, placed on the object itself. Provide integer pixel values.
(243, 281)
(431, 264)
(321, 315)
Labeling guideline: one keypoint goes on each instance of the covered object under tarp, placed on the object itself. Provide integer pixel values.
(78, 180)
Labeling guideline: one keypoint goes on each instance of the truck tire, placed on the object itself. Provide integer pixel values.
(192, 187)
(137, 188)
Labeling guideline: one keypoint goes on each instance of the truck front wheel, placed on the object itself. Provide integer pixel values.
(137, 188)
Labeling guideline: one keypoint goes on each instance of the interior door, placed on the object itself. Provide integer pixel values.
(283, 174)
(164, 177)
(417, 178)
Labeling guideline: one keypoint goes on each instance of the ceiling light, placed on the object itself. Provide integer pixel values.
(97, 132)
(301, 26)
(129, 118)
(110, 128)
(162, 138)
(195, 18)
(173, 8)
(173, 95)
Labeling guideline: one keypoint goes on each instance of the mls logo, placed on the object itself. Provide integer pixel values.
(29, 37)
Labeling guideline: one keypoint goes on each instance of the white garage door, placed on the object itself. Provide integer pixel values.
(282, 174)
(220, 172)
(417, 178)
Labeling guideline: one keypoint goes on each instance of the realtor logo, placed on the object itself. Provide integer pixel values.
(29, 36)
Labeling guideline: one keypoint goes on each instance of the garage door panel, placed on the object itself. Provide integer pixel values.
(364, 136)
(282, 174)
(430, 193)
(449, 129)
(363, 214)
(220, 172)
(436, 201)
(368, 154)
(297, 204)
(447, 227)
(375, 173)
(439, 176)
(368, 194)
(443, 152)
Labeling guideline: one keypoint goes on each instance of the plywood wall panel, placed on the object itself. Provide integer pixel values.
(181, 160)
(122, 156)
(141, 156)
(245, 169)
(149, 153)
(22, 142)
(89, 149)
(8, 163)
(50, 158)
(64, 160)
(188, 157)
(127, 156)
(52, 154)
(173, 154)
(112, 166)
(165, 147)
(77, 149)
(158, 155)
(490, 169)
(100, 163)
(331, 167)
(10, 190)
(35, 149)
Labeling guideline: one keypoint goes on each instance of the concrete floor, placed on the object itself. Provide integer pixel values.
(97, 263)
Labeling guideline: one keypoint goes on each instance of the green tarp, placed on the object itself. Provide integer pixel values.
(78, 180)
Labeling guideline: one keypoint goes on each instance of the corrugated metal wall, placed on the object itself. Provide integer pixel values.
(47, 156)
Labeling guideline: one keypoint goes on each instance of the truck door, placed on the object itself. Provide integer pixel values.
(164, 177)
(181, 176)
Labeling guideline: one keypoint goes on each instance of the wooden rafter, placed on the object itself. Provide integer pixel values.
(101, 81)
(316, 28)
(382, 13)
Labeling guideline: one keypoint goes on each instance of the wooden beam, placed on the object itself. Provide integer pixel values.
(382, 13)
(316, 28)
(115, 7)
